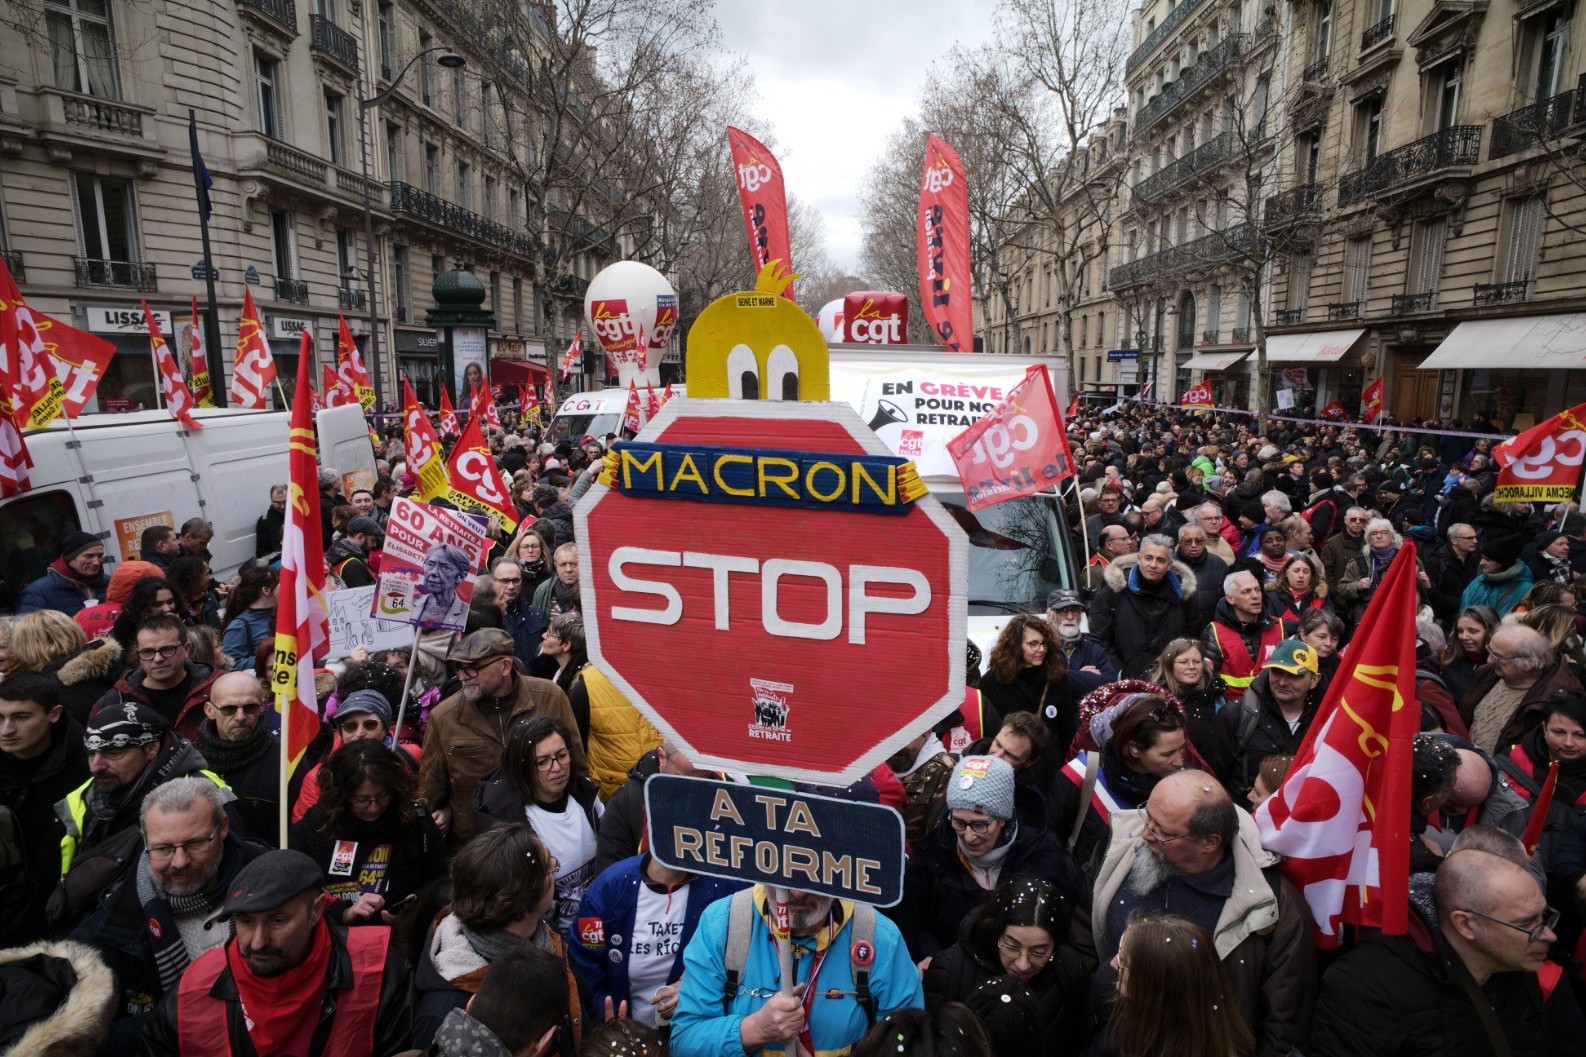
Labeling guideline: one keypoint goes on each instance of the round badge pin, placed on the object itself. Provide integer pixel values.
(1051, 711)
(615, 956)
(864, 954)
(965, 782)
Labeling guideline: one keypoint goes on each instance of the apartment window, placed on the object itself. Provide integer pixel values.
(82, 47)
(1309, 156)
(283, 245)
(107, 225)
(1544, 44)
(426, 71)
(346, 259)
(1101, 332)
(432, 169)
(266, 74)
(1214, 312)
(401, 295)
(385, 20)
(465, 175)
(325, 9)
(1256, 115)
(459, 98)
(1368, 128)
(1526, 218)
(1430, 237)
(1299, 292)
(1443, 84)
(335, 139)
(1242, 312)
(1357, 264)
(1324, 31)
(489, 203)
(1183, 225)
(395, 150)
(512, 207)
(1084, 331)
(517, 306)
(495, 296)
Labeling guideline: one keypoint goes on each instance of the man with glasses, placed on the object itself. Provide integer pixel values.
(152, 922)
(525, 623)
(1510, 695)
(1451, 567)
(1210, 571)
(165, 679)
(1471, 977)
(239, 745)
(1190, 852)
(1348, 544)
(1210, 517)
(467, 732)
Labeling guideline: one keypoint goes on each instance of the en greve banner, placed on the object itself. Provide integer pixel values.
(1018, 448)
(942, 232)
(431, 561)
(1543, 464)
(764, 201)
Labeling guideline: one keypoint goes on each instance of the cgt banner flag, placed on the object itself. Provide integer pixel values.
(198, 357)
(942, 233)
(1018, 448)
(1198, 396)
(448, 415)
(1335, 411)
(1371, 403)
(255, 367)
(476, 479)
(349, 367)
(1543, 464)
(54, 368)
(421, 447)
(764, 201)
(15, 461)
(1342, 816)
(178, 398)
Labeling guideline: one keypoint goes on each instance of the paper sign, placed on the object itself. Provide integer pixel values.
(432, 559)
(351, 624)
(129, 531)
(1285, 399)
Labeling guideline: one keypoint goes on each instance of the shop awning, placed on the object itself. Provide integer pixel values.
(1535, 342)
(1319, 346)
(517, 372)
(1214, 361)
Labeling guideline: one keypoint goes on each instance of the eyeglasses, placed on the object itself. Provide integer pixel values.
(148, 653)
(557, 759)
(978, 825)
(1036, 955)
(1548, 923)
(354, 726)
(231, 710)
(469, 671)
(1495, 655)
(1160, 834)
(370, 801)
(512, 581)
(167, 852)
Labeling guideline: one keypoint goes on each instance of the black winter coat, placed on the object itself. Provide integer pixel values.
(417, 857)
(1237, 765)
(30, 788)
(622, 826)
(1136, 621)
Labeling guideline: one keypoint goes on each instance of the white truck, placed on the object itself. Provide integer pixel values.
(596, 413)
(115, 475)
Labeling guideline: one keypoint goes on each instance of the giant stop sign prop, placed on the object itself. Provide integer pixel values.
(761, 589)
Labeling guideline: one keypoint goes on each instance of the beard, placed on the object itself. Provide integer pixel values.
(1149, 872)
(189, 882)
(1068, 631)
(810, 916)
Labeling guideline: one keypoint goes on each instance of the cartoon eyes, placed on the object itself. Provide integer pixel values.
(782, 374)
(743, 374)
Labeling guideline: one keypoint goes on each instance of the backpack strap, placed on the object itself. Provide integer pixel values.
(1249, 716)
(864, 939)
(1086, 790)
(740, 926)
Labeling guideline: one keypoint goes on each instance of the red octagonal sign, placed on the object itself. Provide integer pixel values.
(806, 644)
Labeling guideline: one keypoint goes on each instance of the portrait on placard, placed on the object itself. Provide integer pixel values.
(432, 558)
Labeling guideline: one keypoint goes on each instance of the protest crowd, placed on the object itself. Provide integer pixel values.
(466, 869)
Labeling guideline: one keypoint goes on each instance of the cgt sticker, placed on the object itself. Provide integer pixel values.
(592, 933)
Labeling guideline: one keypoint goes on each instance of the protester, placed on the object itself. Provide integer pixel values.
(74, 579)
(1085, 656)
(1467, 649)
(1501, 579)
(239, 745)
(165, 680)
(1148, 601)
(1172, 994)
(1242, 635)
(1182, 671)
(1270, 719)
(1508, 696)
(1026, 673)
(249, 618)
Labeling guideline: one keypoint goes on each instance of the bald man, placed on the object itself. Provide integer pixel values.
(1480, 795)
(236, 740)
(1191, 852)
(1479, 933)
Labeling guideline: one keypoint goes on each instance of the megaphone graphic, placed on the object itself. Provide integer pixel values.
(887, 413)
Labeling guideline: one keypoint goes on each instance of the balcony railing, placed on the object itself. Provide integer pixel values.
(409, 200)
(571, 285)
(1175, 18)
(13, 259)
(1451, 148)
(282, 12)
(1531, 125)
(1205, 251)
(1208, 155)
(1346, 309)
(1498, 293)
(1240, 335)
(127, 275)
(328, 37)
(289, 161)
(1580, 100)
(349, 298)
(1377, 34)
(1403, 303)
(1292, 205)
(103, 115)
(1209, 337)
(1213, 61)
(294, 290)
(1316, 71)
(1288, 317)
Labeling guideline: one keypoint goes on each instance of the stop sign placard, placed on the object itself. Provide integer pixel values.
(764, 635)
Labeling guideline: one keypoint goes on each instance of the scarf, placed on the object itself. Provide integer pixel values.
(493, 944)
(1380, 558)
(104, 811)
(986, 868)
(1274, 565)
(276, 1008)
(1171, 578)
(1558, 569)
(564, 596)
(228, 756)
(60, 566)
(160, 911)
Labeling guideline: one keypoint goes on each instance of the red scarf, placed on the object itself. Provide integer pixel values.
(278, 1008)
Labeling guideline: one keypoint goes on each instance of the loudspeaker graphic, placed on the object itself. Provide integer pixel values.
(886, 414)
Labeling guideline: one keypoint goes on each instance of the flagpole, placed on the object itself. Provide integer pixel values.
(217, 378)
(407, 688)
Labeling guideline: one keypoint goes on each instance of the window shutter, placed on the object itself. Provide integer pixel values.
(1525, 239)
(1429, 266)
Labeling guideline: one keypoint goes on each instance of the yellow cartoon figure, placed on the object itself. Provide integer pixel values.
(758, 345)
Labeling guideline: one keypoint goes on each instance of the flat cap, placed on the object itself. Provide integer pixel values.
(482, 645)
(270, 881)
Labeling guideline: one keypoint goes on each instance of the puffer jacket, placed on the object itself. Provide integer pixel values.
(1136, 619)
(56, 590)
(618, 734)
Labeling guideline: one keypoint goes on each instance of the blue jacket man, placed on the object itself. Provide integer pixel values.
(522, 620)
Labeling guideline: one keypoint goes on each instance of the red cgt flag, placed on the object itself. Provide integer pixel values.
(178, 398)
(1342, 816)
(332, 389)
(421, 447)
(54, 368)
(1073, 407)
(631, 422)
(1335, 411)
(1371, 402)
(1543, 464)
(448, 415)
(764, 201)
(255, 367)
(942, 235)
(476, 479)
(355, 384)
(1198, 396)
(15, 462)
(482, 407)
(1018, 448)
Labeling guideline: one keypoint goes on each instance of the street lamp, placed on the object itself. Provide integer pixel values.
(452, 61)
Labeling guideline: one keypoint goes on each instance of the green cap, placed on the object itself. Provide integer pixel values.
(1294, 657)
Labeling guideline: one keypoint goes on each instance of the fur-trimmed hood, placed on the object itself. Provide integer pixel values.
(98, 660)
(1116, 574)
(80, 1023)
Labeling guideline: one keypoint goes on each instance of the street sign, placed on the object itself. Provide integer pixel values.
(1118, 355)
(250, 275)
(199, 268)
(800, 617)
(779, 838)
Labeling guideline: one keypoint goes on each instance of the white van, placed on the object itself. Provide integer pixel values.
(595, 414)
(115, 475)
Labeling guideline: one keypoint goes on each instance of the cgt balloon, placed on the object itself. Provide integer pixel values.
(632, 310)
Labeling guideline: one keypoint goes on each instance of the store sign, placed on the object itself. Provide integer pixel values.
(288, 328)
(423, 343)
(121, 320)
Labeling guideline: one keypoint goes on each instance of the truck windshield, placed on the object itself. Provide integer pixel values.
(1018, 553)
(571, 427)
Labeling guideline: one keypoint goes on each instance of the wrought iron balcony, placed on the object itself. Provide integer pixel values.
(281, 12)
(409, 200)
(1316, 71)
(1288, 317)
(1403, 303)
(127, 275)
(1531, 125)
(1241, 335)
(1206, 251)
(1377, 34)
(350, 298)
(326, 36)
(294, 290)
(571, 285)
(1208, 155)
(1455, 147)
(1209, 337)
(13, 259)
(1293, 205)
(1498, 293)
(1175, 18)
(1580, 100)
(1346, 310)
(1212, 62)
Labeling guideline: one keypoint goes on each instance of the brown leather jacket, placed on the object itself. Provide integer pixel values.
(1561, 680)
(466, 740)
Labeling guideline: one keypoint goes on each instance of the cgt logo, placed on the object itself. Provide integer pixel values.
(1003, 440)
(754, 176)
(937, 180)
(1564, 449)
(613, 325)
(474, 465)
(870, 326)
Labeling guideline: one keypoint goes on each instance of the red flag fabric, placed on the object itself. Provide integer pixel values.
(631, 422)
(476, 479)
(1018, 448)
(1073, 407)
(942, 231)
(1540, 809)
(652, 402)
(178, 399)
(482, 405)
(333, 392)
(1335, 411)
(54, 368)
(666, 394)
(1371, 402)
(302, 631)
(1342, 816)
(15, 461)
(203, 390)
(529, 404)
(421, 447)
(448, 415)
(1543, 464)
(349, 367)
(255, 367)
(548, 400)
(571, 356)
(1198, 396)
(764, 201)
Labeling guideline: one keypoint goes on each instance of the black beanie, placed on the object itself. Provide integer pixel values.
(1503, 551)
(77, 542)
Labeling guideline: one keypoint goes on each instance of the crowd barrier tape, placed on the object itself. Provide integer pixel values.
(1496, 438)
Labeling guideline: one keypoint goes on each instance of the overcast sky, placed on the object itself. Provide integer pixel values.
(834, 79)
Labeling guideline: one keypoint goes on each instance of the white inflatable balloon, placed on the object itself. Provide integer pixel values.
(830, 320)
(632, 310)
